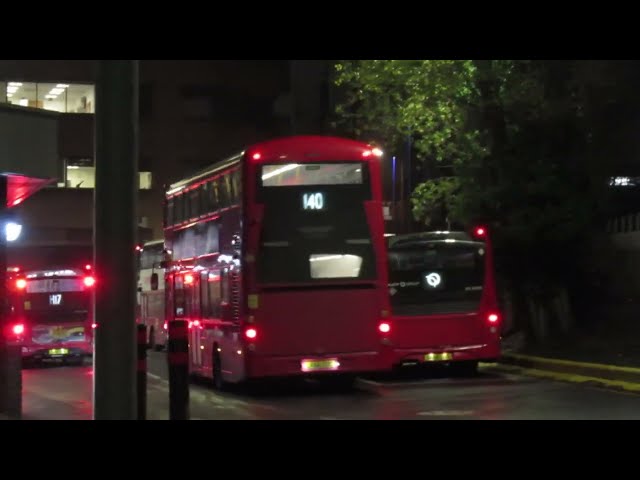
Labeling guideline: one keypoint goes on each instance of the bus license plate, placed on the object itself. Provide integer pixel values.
(58, 351)
(438, 357)
(318, 365)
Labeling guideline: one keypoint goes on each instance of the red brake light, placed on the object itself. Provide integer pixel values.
(18, 329)
(87, 267)
(94, 326)
(367, 153)
(89, 281)
(251, 333)
(480, 231)
(188, 279)
(21, 284)
(256, 156)
(384, 327)
(493, 318)
(165, 325)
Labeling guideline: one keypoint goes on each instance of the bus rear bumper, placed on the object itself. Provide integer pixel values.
(57, 352)
(441, 354)
(299, 365)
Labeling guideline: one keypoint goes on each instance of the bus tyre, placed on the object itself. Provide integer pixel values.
(218, 382)
(158, 347)
(467, 368)
(74, 361)
(151, 344)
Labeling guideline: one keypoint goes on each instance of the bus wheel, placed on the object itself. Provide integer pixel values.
(467, 368)
(151, 344)
(218, 383)
(343, 381)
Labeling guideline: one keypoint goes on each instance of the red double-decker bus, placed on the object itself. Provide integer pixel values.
(50, 313)
(443, 299)
(278, 261)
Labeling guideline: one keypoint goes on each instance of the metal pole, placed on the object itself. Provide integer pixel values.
(10, 355)
(393, 194)
(178, 360)
(292, 99)
(115, 228)
(142, 371)
(408, 216)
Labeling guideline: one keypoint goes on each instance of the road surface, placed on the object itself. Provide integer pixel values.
(65, 393)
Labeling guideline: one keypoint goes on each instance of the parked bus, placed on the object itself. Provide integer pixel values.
(278, 261)
(443, 299)
(51, 313)
(151, 293)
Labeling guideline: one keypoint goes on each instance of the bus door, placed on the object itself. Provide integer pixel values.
(169, 306)
(192, 297)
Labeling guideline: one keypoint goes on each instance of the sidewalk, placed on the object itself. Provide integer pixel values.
(54, 397)
(605, 353)
(602, 375)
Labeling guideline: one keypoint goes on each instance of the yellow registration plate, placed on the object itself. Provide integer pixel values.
(58, 351)
(438, 357)
(315, 365)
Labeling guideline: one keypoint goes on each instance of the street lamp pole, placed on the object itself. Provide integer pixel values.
(115, 232)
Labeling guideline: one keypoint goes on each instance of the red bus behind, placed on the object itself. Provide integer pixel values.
(443, 299)
(51, 314)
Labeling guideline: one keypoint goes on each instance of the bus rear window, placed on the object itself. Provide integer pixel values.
(436, 277)
(295, 175)
(335, 266)
(46, 285)
(314, 225)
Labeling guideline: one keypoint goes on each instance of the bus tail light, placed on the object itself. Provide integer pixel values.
(94, 326)
(480, 231)
(251, 333)
(374, 151)
(21, 284)
(165, 326)
(18, 329)
(89, 281)
(384, 327)
(493, 318)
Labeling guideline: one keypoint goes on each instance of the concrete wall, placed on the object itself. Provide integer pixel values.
(59, 216)
(241, 111)
(29, 142)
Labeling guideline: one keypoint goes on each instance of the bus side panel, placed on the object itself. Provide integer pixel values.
(225, 339)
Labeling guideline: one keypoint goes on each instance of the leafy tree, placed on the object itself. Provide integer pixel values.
(528, 146)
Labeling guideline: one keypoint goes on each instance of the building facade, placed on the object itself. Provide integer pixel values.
(192, 113)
